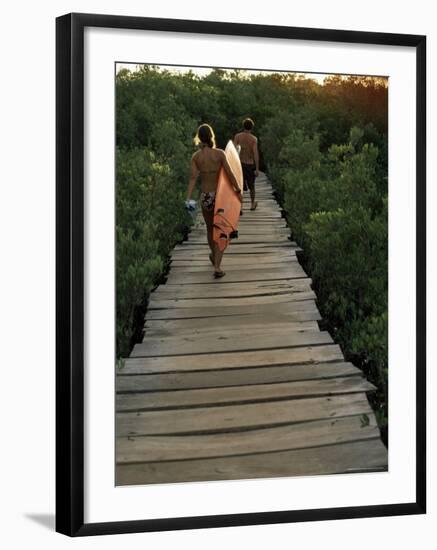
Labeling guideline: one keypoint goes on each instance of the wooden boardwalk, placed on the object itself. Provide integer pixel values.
(234, 378)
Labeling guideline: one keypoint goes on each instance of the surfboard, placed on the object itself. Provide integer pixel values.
(227, 204)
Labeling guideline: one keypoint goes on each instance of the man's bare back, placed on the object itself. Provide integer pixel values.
(249, 145)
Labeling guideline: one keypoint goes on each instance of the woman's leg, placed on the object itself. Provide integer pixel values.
(218, 255)
(208, 216)
(210, 239)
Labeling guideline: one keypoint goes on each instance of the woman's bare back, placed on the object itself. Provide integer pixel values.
(208, 161)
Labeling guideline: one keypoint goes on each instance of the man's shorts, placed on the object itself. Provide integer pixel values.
(248, 175)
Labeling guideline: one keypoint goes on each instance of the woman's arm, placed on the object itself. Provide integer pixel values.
(193, 177)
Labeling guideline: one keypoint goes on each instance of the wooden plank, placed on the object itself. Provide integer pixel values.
(268, 235)
(263, 194)
(253, 217)
(264, 198)
(233, 377)
(156, 302)
(204, 287)
(218, 285)
(262, 217)
(265, 214)
(285, 241)
(216, 323)
(199, 253)
(265, 203)
(229, 331)
(238, 417)
(201, 250)
(216, 343)
(265, 207)
(246, 239)
(256, 329)
(239, 261)
(293, 271)
(270, 231)
(205, 266)
(286, 306)
(277, 222)
(253, 393)
(282, 438)
(242, 247)
(259, 358)
(278, 233)
(252, 226)
(358, 456)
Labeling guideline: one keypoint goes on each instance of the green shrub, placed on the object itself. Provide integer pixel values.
(149, 211)
(348, 258)
(336, 206)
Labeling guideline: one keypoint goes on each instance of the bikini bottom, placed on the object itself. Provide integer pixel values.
(207, 200)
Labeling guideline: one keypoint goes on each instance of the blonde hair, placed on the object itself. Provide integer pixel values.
(205, 134)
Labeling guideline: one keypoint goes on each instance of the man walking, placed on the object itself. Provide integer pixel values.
(249, 157)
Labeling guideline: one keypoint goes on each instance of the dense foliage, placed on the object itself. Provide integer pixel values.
(325, 149)
(149, 221)
(328, 162)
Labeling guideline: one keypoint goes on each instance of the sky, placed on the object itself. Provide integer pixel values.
(203, 71)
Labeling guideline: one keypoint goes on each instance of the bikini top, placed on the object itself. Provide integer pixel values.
(213, 171)
(209, 175)
(209, 171)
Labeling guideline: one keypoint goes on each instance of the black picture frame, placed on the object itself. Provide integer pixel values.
(70, 273)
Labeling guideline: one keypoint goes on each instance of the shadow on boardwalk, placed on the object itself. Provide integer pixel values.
(234, 378)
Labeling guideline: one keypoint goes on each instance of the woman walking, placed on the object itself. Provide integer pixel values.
(207, 162)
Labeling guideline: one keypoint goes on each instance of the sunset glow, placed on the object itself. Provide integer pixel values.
(204, 71)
